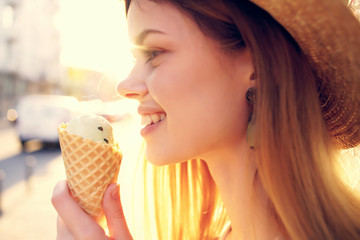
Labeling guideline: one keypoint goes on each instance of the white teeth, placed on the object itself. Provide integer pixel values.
(152, 118)
(146, 120)
(155, 118)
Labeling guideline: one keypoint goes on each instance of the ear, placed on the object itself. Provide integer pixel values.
(245, 62)
(253, 75)
(252, 79)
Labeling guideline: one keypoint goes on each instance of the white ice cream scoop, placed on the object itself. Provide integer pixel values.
(93, 127)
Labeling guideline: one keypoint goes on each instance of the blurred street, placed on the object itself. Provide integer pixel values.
(28, 178)
(50, 51)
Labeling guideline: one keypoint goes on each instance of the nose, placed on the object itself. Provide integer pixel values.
(132, 87)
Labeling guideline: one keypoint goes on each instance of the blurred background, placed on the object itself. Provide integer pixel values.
(58, 59)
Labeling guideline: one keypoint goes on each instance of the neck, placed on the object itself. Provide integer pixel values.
(234, 172)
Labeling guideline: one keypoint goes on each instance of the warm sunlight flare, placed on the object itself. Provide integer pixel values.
(94, 35)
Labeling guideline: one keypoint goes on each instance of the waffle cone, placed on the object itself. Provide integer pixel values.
(90, 167)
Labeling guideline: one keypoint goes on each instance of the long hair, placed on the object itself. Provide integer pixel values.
(296, 157)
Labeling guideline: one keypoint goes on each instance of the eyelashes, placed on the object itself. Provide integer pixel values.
(151, 54)
(148, 55)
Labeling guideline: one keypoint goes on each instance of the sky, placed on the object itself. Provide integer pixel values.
(94, 35)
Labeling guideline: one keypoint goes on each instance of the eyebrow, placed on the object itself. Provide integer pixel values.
(142, 36)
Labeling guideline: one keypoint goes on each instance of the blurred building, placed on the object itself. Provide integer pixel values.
(29, 50)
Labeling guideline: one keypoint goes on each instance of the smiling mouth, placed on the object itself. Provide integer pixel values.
(151, 119)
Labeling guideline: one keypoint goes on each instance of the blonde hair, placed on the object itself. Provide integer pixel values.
(186, 202)
(298, 161)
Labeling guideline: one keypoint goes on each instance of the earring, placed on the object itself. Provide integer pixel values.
(250, 133)
(250, 96)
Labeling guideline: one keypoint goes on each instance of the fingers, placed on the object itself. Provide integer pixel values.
(115, 218)
(73, 220)
(62, 230)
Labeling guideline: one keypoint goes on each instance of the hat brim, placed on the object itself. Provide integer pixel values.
(329, 35)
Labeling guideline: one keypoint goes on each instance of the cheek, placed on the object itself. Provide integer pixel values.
(170, 79)
(205, 106)
(225, 122)
(200, 118)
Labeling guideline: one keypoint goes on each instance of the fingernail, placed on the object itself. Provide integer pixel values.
(115, 193)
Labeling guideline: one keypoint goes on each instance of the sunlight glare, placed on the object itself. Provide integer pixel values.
(94, 35)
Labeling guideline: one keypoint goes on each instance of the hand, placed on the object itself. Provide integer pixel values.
(74, 223)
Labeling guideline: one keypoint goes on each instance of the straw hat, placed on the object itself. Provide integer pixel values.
(329, 35)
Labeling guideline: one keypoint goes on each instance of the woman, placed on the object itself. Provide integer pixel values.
(263, 95)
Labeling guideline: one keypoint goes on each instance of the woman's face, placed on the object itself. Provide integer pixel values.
(191, 94)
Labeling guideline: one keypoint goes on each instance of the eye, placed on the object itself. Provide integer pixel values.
(151, 54)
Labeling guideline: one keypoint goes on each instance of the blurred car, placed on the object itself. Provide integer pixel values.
(38, 116)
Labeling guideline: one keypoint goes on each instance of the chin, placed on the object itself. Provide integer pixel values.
(163, 159)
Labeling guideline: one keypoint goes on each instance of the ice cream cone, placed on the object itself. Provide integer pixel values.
(90, 167)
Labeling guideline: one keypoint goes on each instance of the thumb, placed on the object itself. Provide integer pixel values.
(114, 214)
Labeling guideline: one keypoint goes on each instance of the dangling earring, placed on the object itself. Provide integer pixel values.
(250, 133)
